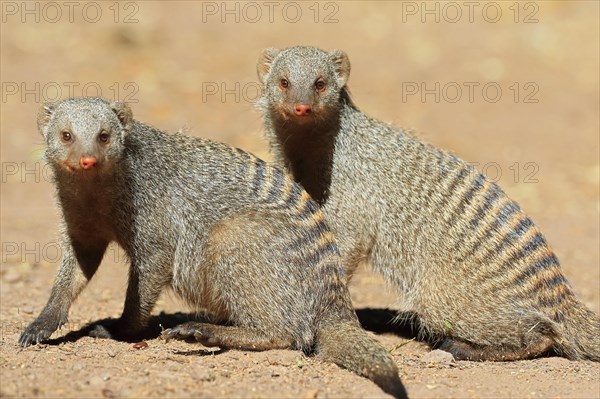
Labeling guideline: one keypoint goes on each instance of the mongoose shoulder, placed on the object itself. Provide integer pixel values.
(226, 231)
(480, 275)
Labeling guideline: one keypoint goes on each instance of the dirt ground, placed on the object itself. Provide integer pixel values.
(512, 88)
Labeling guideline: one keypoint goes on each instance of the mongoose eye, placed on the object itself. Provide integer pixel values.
(284, 83)
(320, 85)
(104, 137)
(66, 136)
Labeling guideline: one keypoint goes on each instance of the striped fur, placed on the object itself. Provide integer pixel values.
(230, 234)
(461, 254)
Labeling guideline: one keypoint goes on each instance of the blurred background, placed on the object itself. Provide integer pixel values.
(510, 86)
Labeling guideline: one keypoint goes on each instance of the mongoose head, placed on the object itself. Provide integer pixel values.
(84, 136)
(302, 84)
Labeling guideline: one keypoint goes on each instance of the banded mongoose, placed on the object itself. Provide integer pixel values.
(226, 231)
(462, 255)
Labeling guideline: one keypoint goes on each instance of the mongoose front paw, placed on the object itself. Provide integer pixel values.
(201, 332)
(38, 331)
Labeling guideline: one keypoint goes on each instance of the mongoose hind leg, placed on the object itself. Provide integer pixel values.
(463, 350)
(243, 338)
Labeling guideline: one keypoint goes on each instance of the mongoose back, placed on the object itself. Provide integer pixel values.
(462, 255)
(226, 231)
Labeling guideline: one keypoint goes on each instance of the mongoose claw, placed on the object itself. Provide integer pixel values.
(36, 333)
(191, 329)
(33, 338)
(167, 334)
(179, 332)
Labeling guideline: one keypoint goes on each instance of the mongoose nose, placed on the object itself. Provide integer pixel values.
(87, 162)
(301, 109)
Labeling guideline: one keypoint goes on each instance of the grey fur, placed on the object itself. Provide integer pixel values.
(462, 255)
(226, 231)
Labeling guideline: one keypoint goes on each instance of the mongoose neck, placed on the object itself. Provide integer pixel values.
(308, 152)
(310, 157)
(85, 187)
(307, 149)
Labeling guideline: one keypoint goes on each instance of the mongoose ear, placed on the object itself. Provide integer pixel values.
(44, 114)
(342, 66)
(124, 113)
(264, 62)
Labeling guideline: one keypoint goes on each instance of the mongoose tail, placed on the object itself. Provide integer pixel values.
(340, 339)
(579, 333)
(348, 346)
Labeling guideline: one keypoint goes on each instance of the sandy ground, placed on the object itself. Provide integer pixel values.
(531, 121)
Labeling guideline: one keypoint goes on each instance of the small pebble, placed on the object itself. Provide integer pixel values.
(438, 356)
(26, 310)
(12, 277)
(140, 345)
